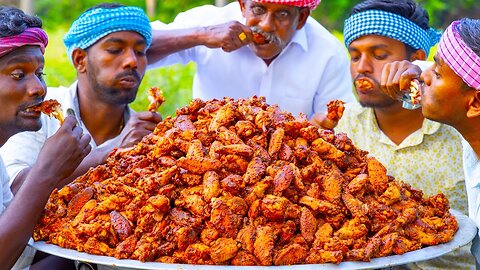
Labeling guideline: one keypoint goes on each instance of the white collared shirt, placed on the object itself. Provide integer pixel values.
(22, 149)
(312, 70)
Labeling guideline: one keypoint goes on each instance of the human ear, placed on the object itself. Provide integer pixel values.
(242, 6)
(79, 59)
(474, 105)
(418, 55)
(303, 16)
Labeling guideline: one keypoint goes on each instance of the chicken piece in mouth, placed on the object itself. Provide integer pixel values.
(363, 84)
(414, 94)
(51, 108)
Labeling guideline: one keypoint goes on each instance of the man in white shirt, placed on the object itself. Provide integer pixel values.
(268, 48)
(22, 44)
(451, 95)
(107, 45)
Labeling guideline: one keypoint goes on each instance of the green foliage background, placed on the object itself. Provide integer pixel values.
(176, 81)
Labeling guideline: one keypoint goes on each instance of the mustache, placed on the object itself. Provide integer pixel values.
(31, 103)
(126, 73)
(270, 37)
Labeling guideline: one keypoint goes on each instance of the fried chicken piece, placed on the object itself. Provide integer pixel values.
(223, 219)
(197, 253)
(276, 141)
(283, 178)
(255, 171)
(121, 225)
(335, 110)
(357, 184)
(156, 99)
(222, 117)
(352, 229)
(316, 256)
(264, 245)
(243, 258)
(290, 254)
(236, 149)
(327, 150)
(126, 248)
(321, 206)
(78, 201)
(51, 108)
(223, 249)
(323, 234)
(377, 175)
(274, 207)
(391, 195)
(308, 225)
(198, 165)
(245, 128)
(333, 184)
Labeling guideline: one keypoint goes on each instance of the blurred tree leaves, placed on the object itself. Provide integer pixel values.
(331, 13)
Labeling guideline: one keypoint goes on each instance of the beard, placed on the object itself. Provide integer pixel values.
(110, 94)
(384, 103)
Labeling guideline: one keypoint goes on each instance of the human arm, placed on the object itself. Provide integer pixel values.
(225, 36)
(139, 125)
(57, 159)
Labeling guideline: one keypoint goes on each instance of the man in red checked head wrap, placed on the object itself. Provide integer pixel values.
(22, 45)
(270, 48)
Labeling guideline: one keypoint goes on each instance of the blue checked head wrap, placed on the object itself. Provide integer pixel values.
(96, 23)
(382, 23)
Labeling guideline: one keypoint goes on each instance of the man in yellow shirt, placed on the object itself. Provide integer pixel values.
(423, 153)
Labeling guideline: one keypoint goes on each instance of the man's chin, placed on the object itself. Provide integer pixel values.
(264, 52)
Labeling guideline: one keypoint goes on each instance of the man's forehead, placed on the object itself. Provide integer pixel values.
(123, 36)
(375, 41)
(22, 55)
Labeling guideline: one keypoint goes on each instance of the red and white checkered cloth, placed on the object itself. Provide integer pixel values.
(312, 4)
(459, 57)
(31, 36)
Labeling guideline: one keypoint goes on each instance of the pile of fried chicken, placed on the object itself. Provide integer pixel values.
(239, 182)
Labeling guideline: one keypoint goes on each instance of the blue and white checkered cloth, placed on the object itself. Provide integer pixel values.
(99, 22)
(382, 23)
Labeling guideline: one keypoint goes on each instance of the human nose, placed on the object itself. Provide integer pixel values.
(36, 87)
(267, 22)
(425, 77)
(364, 65)
(131, 60)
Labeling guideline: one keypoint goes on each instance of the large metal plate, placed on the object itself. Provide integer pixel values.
(466, 232)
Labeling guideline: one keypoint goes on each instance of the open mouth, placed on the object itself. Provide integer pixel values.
(260, 37)
(32, 107)
(363, 84)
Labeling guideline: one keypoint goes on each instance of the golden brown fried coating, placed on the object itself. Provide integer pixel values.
(239, 182)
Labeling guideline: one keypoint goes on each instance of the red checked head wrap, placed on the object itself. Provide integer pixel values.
(312, 4)
(31, 36)
(459, 57)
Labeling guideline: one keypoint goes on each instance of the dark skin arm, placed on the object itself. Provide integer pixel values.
(225, 36)
(58, 158)
(139, 125)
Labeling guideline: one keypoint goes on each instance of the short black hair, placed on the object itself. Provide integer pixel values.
(408, 9)
(106, 5)
(14, 21)
(469, 30)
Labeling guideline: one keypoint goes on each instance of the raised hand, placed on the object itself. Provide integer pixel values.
(397, 76)
(62, 152)
(139, 125)
(228, 36)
